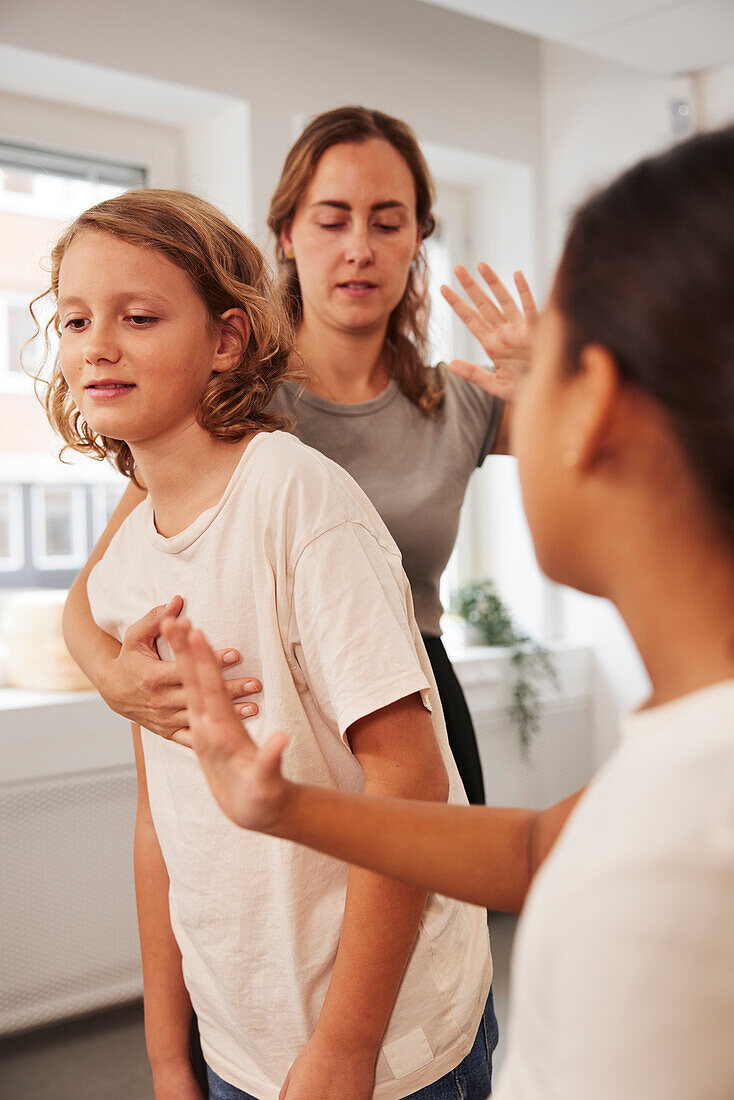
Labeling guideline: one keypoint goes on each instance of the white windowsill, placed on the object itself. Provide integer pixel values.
(44, 734)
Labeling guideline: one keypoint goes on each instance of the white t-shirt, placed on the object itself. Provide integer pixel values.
(294, 568)
(623, 970)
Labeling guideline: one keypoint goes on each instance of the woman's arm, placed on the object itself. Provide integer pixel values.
(167, 1005)
(92, 649)
(131, 678)
(484, 855)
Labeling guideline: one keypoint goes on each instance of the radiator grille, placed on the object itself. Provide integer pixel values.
(68, 932)
(560, 760)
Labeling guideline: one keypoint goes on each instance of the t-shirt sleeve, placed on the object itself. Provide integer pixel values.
(494, 410)
(478, 413)
(350, 629)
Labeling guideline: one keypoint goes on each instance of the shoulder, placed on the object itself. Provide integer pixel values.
(303, 488)
(461, 396)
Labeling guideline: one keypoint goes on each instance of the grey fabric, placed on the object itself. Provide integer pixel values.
(414, 470)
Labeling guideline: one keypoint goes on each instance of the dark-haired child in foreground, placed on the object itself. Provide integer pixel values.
(623, 975)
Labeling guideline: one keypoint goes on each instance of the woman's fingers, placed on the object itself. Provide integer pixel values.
(480, 376)
(501, 293)
(526, 297)
(485, 305)
(474, 322)
(242, 686)
(183, 736)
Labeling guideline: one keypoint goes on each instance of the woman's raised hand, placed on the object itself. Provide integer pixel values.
(245, 780)
(148, 691)
(499, 326)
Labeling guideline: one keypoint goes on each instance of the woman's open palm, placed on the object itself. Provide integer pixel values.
(245, 780)
(499, 325)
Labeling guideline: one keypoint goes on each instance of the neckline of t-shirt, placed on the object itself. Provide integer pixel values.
(340, 408)
(176, 543)
(714, 699)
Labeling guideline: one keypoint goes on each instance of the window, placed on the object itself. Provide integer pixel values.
(12, 551)
(41, 191)
(104, 501)
(59, 525)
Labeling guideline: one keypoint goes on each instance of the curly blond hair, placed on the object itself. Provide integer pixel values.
(406, 342)
(227, 271)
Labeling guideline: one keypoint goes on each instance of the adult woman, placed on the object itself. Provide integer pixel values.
(350, 214)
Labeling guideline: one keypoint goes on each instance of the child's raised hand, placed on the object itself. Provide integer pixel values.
(499, 326)
(245, 780)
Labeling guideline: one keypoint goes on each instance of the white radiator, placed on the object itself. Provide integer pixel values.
(68, 932)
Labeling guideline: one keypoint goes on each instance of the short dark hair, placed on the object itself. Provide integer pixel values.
(648, 272)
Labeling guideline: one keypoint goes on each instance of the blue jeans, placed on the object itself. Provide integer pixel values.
(471, 1080)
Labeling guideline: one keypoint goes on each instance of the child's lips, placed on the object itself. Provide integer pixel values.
(108, 389)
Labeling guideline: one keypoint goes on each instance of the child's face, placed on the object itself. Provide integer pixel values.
(136, 347)
(354, 235)
(543, 431)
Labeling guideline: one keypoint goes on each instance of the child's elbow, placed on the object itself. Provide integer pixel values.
(435, 785)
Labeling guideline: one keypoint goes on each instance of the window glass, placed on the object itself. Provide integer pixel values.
(41, 191)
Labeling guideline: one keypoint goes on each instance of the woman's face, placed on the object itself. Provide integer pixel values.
(136, 349)
(354, 235)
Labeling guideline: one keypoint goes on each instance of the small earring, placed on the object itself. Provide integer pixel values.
(570, 458)
(289, 254)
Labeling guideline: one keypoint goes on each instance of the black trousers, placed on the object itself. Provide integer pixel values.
(462, 739)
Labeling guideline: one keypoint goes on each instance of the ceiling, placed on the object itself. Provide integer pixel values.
(680, 36)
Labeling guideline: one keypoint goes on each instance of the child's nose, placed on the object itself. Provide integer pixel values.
(101, 345)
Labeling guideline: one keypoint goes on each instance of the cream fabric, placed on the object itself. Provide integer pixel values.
(623, 972)
(295, 568)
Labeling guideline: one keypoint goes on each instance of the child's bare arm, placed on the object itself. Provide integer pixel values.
(483, 855)
(167, 1004)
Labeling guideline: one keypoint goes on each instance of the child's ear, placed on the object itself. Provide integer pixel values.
(234, 336)
(596, 405)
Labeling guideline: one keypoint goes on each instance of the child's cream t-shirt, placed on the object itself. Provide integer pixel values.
(294, 568)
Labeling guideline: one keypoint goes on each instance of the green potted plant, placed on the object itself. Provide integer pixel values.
(489, 621)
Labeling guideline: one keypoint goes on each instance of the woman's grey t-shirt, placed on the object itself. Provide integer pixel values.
(414, 470)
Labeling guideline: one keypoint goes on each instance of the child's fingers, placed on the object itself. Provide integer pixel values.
(177, 632)
(269, 756)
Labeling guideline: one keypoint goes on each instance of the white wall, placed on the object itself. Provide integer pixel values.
(598, 118)
(459, 81)
(716, 97)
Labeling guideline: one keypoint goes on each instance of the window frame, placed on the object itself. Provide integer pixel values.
(41, 559)
(15, 561)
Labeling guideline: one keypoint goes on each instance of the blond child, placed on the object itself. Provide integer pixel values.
(307, 978)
